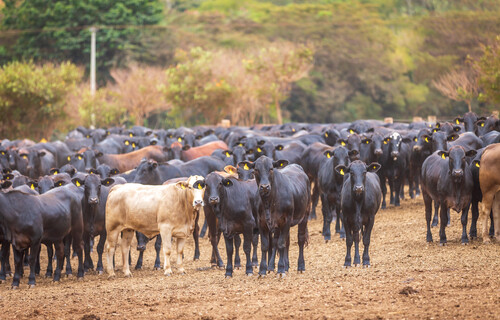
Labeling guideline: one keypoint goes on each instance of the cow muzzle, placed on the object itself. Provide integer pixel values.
(457, 173)
(213, 200)
(358, 190)
(378, 152)
(198, 203)
(417, 148)
(264, 189)
(395, 155)
(93, 200)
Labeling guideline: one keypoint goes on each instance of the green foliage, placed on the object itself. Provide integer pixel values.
(488, 68)
(101, 110)
(32, 98)
(74, 44)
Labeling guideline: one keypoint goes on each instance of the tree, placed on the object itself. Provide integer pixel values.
(487, 67)
(138, 91)
(32, 98)
(73, 43)
(458, 86)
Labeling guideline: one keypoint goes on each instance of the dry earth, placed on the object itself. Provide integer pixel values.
(409, 279)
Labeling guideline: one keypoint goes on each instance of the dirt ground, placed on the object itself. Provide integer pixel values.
(409, 279)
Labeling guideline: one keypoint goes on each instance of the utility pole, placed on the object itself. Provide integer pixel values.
(93, 31)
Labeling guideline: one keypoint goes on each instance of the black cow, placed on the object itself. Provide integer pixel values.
(34, 163)
(397, 165)
(353, 142)
(83, 161)
(292, 152)
(361, 197)
(447, 180)
(285, 192)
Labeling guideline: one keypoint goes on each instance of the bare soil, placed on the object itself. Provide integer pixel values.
(409, 279)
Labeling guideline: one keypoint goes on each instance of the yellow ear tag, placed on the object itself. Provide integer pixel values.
(367, 142)
(228, 155)
(7, 178)
(415, 139)
(443, 156)
(457, 122)
(240, 144)
(3, 153)
(342, 171)
(245, 167)
(24, 156)
(342, 143)
(55, 172)
(127, 143)
(79, 157)
(32, 186)
(385, 142)
(131, 134)
(259, 149)
(182, 186)
(293, 130)
(88, 136)
(69, 158)
(179, 139)
(200, 187)
(133, 145)
(326, 134)
(328, 155)
(374, 167)
(435, 130)
(477, 164)
(78, 183)
(482, 125)
(281, 164)
(426, 139)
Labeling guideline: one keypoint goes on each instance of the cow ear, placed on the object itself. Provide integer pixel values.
(458, 120)
(54, 171)
(126, 142)
(426, 138)
(366, 141)
(198, 137)
(92, 171)
(230, 169)
(280, 164)
(7, 170)
(33, 184)
(342, 142)
(6, 184)
(328, 153)
(154, 164)
(246, 165)
(41, 153)
(261, 142)
(227, 183)
(471, 153)
(8, 176)
(443, 154)
(476, 163)
(353, 153)
(373, 167)
(72, 171)
(182, 185)
(77, 182)
(457, 128)
(149, 132)
(186, 147)
(435, 130)
(114, 171)
(227, 153)
(153, 142)
(59, 183)
(351, 131)
(209, 132)
(481, 118)
(406, 140)
(341, 169)
(107, 181)
(279, 147)
(98, 153)
(370, 129)
(480, 123)
(452, 137)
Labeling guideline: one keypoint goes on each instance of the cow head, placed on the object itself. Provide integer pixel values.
(175, 150)
(341, 156)
(266, 148)
(196, 184)
(29, 162)
(245, 172)
(212, 182)
(456, 157)
(264, 173)
(45, 184)
(357, 174)
(146, 173)
(240, 154)
(4, 158)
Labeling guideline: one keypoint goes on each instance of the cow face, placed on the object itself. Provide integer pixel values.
(197, 185)
(357, 174)
(175, 150)
(245, 172)
(395, 141)
(83, 161)
(4, 158)
(240, 154)
(331, 136)
(212, 182)
(423, 141)
(456, 161)
(264, 173)
(29, 162)
(45, 184)
(266, 148)
(378, 143)
(146, 173)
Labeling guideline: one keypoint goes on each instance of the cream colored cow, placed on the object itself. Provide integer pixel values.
(166, 210)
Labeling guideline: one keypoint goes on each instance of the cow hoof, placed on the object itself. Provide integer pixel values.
(111, 277)
(128, 275)
(100, 273)
(213, 266)
(31, 286)
(196, 259)
(326, 241)
(69, 275)
(227, 276)
(236, 268)
(442, 244)
(465, 243)
(367, 266)
(345, 267)
(300, 271)
(281, 275)
(261, 276)
(14, 287)
(79, 279)
(356, 265)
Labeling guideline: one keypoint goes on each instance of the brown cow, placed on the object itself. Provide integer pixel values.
(186, 153)
(152, 210)
(128, 161)
(489, 180)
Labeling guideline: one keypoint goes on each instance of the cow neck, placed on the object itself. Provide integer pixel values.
(279, 180)
(187, 201)
(9, 201)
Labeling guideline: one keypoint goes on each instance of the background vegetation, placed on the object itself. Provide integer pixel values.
(166, 62)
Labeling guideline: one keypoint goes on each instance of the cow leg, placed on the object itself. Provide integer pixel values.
(67, 254)
(247, 249)
(37, 264)
(339, 222)
(357, 260)
(391, 188)
(180, 254)
(111, 240)
(127, 236)
(366, 242)
(411, 182)
(60, 251)
(492, 225)
(88, 264)
(18, 264)
(287, 250)
(495, 218)
(327, 217)
(348, 242)
(204, 228)
(214, 235)
(237, 244)
(282, 248)
(78, 248)
(383, 187)
(448, 215)
(428, 214)
(485, 210)
(398, 189)
(34, 251)
(264, 246)
(4, 259)
(255, 244)
(417, 182)
(315, 200)
(475, 216)
(443, 215)
(166, 235)
(436, 212)
(465, 213)
(272, 257)
(50, 257)
(157, 265)
(229, 254)
(100, 250)
(196, 234)
(302, 236)
(26, 257)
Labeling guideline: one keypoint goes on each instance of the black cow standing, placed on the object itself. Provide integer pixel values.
(285, 193)
(361, 197)
(447, 180)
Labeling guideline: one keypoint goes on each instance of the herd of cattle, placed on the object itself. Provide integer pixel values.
(256, 182)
